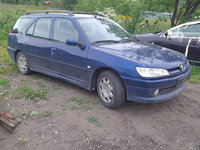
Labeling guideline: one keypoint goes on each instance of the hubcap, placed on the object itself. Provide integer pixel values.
(22, 62)
(106, 90)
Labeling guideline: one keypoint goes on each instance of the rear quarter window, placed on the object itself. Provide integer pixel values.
(20, 24)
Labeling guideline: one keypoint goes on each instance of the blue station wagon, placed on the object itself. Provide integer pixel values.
(96, 53)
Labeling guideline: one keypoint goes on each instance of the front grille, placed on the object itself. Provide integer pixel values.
(176, 71)
(179, 83)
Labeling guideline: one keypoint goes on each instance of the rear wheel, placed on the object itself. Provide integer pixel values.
(111, 90)
(22, 63)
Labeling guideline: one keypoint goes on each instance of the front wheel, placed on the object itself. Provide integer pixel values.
(111, 90)
(22, 63)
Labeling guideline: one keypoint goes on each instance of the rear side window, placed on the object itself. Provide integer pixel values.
(42, 28)
(20, 24)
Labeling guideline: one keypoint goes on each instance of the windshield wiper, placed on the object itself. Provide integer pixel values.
(105, 41)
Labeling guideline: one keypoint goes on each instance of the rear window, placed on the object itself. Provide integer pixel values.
(21, 22)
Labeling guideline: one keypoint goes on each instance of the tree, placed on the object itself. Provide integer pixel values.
(186, 9)
(180, 9)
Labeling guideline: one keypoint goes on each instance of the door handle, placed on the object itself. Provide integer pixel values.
(53, 50)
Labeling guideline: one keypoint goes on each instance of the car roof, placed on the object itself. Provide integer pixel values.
(60, 13)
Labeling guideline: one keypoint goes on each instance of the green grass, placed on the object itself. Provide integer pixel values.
(78, 101)
(3, 93)
(195, 75)
(154, 26)
(86, 108)
(2, 138)
(4, 85)
(40, 84)
(46, 113)
(94, 103)
(31, 94)
(92, 119)
(4, 82)
(56, 88)
(8, 16)
(95, 121)
(23, 139)
(7, 67)
(74, 107)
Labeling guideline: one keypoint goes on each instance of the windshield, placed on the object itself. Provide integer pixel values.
(103, 30)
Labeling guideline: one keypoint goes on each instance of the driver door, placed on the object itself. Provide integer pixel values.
(67, 61)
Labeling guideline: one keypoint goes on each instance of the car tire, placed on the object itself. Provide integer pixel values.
(111, 90)
(22, 63)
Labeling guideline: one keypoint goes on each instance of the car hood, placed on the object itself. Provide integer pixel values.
(146, 54)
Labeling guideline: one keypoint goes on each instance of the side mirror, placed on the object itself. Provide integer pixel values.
(74, 43)
(167, 35)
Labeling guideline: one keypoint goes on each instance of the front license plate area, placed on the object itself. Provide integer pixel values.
(182, 80)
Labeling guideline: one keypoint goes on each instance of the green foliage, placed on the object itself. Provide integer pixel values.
(86, 108)
(56, 87)
(195, 75)
(7, 67)
(2, 138)
(95, 121)
(25, 114)
(92, 119)
(31, 94)
(23, 139)
(78, 101)
(158, 5)
(46, 113)
(186, 9)
(34, 113)
(95, 102)
(74, 107)
(4, 85)
(9, 14)
(30, 2)
(7, 21)
(4, 82)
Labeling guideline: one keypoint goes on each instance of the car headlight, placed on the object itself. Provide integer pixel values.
(151, 72)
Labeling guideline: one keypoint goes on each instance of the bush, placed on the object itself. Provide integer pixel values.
(7, 21)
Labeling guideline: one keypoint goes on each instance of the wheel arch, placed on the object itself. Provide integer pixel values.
(98, 71)
(15, 54)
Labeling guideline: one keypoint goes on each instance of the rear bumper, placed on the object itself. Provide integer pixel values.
(11, 52)
(142, 91)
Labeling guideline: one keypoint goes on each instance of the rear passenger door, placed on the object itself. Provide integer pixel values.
(37, 44)
(68, 61)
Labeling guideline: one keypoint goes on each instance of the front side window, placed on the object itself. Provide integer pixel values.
(42, 28)
(64, 29)
(20, 24)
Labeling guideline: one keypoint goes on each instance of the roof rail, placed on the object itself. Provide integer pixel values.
(96, 14)
(50, 11)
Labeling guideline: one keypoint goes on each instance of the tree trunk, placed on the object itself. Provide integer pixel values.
(174, 13)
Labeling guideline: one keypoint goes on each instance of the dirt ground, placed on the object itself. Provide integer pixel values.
(71, 118)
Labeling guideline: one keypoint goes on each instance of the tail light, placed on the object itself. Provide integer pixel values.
(10, 32)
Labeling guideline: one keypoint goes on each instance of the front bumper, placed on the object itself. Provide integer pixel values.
(142, 91)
